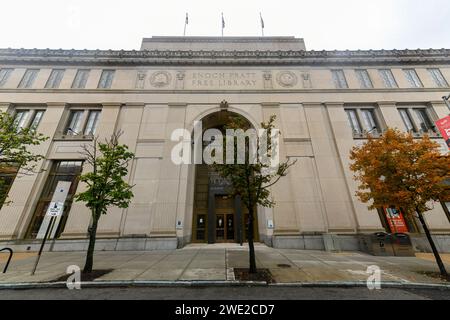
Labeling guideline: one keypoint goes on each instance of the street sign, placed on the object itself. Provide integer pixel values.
(55, 209)
(444, 127)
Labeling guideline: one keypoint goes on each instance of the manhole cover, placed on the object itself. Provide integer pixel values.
(283, 265)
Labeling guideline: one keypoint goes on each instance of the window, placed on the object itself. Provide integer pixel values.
(437, 76)
(106, 79)
(413, 78)
(28, 118)
(74, 124)
(363, 120)
(55, 78)
(20, 118)
(364, 78)
(28, 78)
(425, 123)
(404, 113)
(4, 76)
(38, 114)
(60, 171)
(353, 121)
(388, 78)
(339, 79)
(82, 122)
(417, 120)
(8, 174)
(80, 79)
(91, 125)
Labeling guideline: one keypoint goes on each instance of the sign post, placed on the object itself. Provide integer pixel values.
(54, 212)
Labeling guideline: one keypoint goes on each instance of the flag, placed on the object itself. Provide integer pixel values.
(262, 21)
(223, 22)
(187, 19)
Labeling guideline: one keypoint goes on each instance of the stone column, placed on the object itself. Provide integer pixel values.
(390, 115)
(286, 225)
(109, 224)
(170, 200)
(338, 205)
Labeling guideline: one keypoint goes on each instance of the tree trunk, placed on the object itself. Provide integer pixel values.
(251, 247)
(92, 237)
(433, 246)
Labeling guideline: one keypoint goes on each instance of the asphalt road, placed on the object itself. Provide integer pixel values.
(225, 293)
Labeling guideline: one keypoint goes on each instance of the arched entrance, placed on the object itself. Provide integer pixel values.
(218, 216)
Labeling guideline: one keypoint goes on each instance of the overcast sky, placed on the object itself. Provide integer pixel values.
(324, 24)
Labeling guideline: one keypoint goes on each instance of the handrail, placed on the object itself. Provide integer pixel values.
(9, 259)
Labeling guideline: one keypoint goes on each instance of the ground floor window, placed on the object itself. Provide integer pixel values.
(60, 171)
(8, 173)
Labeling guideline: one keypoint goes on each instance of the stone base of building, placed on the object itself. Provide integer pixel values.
(336, 242)
(117, 244)
(324, 242)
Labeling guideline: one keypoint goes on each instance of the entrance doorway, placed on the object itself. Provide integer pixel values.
(225, 219)
(218, 215)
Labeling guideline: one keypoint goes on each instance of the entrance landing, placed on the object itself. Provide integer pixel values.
(223, 245)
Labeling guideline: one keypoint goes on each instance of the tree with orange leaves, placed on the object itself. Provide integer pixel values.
(397, 170)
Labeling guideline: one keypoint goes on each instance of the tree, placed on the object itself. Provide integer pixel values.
(106, 186)
(251, 180)
(15, 157)
(397, 170)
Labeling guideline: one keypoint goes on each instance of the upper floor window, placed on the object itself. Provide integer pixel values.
(28, 78)
(92, 121)
(55, 78)
(388, 78)
(363, 120)
(28, 118)
(80, 79)
(438, 78)
(82, 122)
(4, 75)
(413, 78)
(339, 79)
(417, 120)
(364, 78)
(106, 79)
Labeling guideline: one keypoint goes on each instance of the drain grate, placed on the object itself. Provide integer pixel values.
(283, 265)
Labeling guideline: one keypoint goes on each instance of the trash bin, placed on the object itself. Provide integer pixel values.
(377, 244)
(402, 245)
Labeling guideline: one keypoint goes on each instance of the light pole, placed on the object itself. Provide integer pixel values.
(446, 100)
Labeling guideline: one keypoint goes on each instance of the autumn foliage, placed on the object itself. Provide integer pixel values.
(399, 170)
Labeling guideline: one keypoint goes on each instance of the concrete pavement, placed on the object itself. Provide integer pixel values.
(216, 262)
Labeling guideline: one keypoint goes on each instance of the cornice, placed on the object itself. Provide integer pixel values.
(158, 57)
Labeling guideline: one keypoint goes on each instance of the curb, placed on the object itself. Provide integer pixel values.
(156, 284)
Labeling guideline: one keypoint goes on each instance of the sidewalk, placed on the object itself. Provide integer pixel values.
(216, 263)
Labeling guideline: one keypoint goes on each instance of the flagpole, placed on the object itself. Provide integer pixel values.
(222, 24)
(185, 24)
(262, 24)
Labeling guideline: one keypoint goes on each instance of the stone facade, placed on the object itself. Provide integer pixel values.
(172, 82)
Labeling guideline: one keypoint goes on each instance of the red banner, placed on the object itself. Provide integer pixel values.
(396, 221)
(444, 127)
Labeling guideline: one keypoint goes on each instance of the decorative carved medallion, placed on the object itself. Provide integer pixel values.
(287, 79)
(160, 79)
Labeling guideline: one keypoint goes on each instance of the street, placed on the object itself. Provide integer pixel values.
(226, 293)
